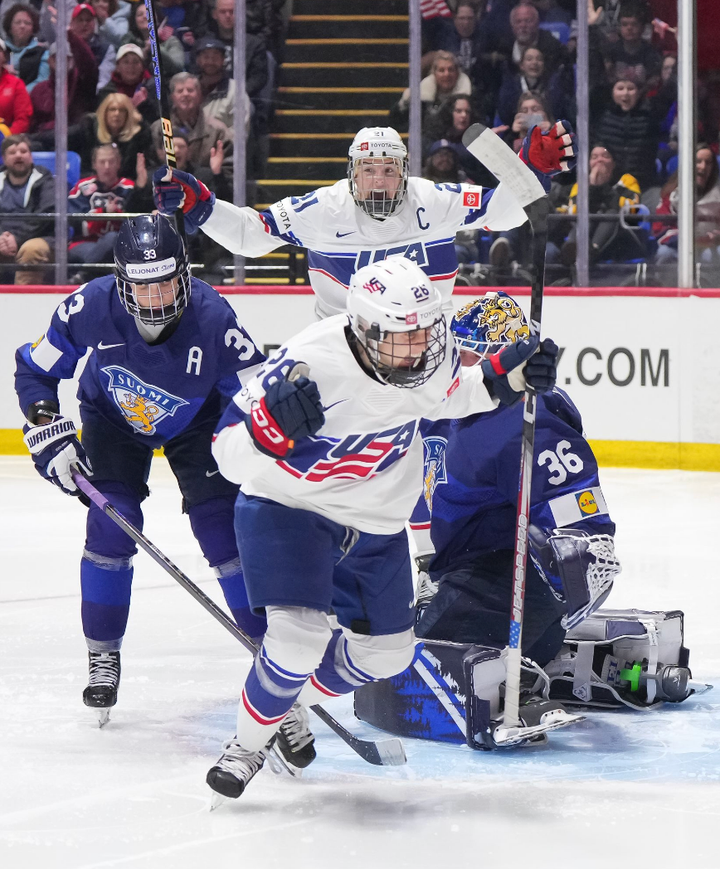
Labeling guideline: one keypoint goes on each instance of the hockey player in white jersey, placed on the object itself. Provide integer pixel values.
(376, 213)
(330, 469)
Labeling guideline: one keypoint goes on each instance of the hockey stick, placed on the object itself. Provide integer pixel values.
(384, 752)
(527, 189)
(162, 96)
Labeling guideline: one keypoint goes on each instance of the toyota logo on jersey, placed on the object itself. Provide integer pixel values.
(356, 457)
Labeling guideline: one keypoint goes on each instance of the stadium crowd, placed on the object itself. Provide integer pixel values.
(507, 63)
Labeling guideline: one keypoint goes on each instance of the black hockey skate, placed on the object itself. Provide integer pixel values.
(235, 769)
(101, 692)
(294, 740)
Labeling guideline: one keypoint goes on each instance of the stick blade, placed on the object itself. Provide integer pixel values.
(388, 752)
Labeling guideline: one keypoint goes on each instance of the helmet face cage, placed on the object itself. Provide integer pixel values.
(389, 361)
(149, 253)
(160, 314)
(377, 147)
(485, 325)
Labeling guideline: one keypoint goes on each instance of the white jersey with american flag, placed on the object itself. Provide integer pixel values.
(341, 238)
(363, 468)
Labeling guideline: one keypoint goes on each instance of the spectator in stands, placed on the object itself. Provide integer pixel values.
(452, 118)
(631, 56)
(532, 109)
(443, 164)
(445, 80)
(460, 36)
(529, 76)
(186, 111)
(218, 89)
(113, 17)
(104, 192)
(116, 121)
(258, 20)
(707, 211)
(83, 23)
(551, 12)
(611, 192)
(28, 57)
(630, 130)
(171, 49)
(82, 75)
(25, 189)
(185, 19)
(525, 25)
(15, 106)
(132, 78)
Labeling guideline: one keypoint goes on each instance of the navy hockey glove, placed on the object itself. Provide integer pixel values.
(288, 411)
(550, 153)
(525, 362)
(173, 189)
(56, 450)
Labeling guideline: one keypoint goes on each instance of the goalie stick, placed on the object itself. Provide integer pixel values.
(384, 752)
(502, 161)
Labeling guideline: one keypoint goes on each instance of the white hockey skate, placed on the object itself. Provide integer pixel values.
(102, 688)
(295, 741)
(537, 718)
(234, 770)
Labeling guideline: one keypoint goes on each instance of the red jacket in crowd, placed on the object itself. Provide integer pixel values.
(15, 106)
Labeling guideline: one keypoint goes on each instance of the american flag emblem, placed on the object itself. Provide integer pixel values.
(471, 200)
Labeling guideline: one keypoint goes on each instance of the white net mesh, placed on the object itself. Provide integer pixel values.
(602, 572)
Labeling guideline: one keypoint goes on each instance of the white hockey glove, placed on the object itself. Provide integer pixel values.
(55, 450)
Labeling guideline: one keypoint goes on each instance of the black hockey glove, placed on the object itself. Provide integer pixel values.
(523, 362)
(55, 450)
(288, 411)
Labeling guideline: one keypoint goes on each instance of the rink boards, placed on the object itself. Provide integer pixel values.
(639, 363)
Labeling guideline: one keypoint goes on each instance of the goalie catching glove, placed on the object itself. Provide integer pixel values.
(525, 362)
(56, 450)
(173, 189)
(288, 411)
(549, 153)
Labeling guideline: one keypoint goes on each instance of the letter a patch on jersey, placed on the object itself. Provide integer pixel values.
(142, 404)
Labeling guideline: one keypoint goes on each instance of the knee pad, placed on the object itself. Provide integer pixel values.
(103, 537)
(296, 638)
(213, 524)
(379, 657)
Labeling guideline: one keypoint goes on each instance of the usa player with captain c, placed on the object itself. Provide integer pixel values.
(329, 470)
(167, 353)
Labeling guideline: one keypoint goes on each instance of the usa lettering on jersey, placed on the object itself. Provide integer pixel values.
(355, 457)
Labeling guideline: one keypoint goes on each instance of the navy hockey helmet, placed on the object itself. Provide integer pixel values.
(151, 269)
(486, 324)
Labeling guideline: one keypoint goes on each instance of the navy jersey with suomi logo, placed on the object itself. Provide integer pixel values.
(471, 476)
(155, 392)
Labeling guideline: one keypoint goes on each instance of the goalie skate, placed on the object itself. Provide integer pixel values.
(537, 719)
(103, 683)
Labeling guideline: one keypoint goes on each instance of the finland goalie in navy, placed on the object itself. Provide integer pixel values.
(167, 353)
(377, 212)
(329, 471)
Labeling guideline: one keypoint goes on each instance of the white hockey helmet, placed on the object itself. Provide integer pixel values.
(396, 317)
(378, 171)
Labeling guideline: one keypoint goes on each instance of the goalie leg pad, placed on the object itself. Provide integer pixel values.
(618, 658)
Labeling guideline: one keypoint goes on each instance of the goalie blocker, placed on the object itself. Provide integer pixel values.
(454, 692)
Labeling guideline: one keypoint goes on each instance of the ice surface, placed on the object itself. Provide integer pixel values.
(622, 789)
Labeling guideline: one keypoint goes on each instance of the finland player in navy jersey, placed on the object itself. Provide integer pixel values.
(167, 352)
(471, 486)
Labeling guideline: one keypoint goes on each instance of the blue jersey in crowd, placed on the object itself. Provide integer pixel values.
(472, 469)
(155, 392)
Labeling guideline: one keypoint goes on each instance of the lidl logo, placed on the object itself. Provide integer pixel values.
(587, 503)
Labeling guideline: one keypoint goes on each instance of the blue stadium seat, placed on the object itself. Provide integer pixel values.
(47, 159)
(559, 30)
